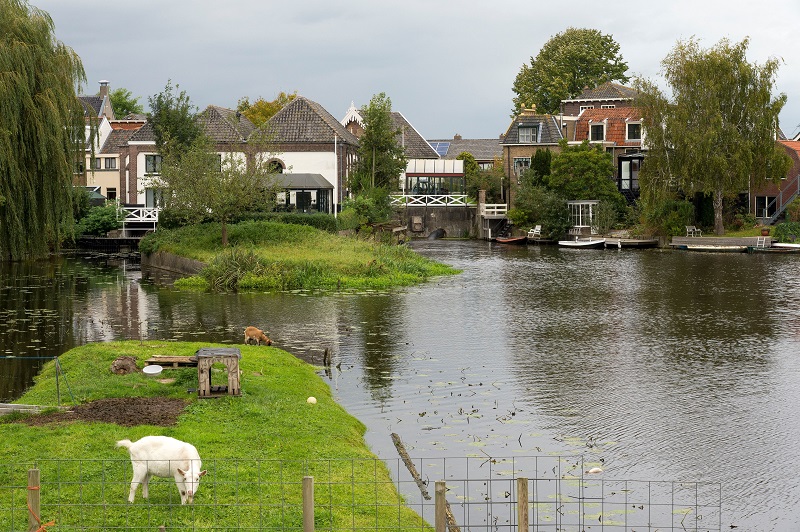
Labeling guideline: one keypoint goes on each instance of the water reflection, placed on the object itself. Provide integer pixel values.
(664, 365)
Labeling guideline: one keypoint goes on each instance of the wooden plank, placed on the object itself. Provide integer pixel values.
(168, 362)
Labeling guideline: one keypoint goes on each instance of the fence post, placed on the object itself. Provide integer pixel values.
(522, 504)
(34, 500)
(308, 504)
(440, 515)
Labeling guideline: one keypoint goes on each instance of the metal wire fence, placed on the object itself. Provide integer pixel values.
(482, 494)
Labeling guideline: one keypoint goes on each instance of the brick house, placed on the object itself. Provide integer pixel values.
(769, 201)
(619, 131)
(307, 139)
(528, 133)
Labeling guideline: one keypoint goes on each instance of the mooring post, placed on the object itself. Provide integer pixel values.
(34, 500)
(308, 504)
(440, 514)
(522, 504)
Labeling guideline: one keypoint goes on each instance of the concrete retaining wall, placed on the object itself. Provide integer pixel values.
(456, 221)
(171, 263)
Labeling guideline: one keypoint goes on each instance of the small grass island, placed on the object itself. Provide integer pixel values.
(270, 256)
(256, 447)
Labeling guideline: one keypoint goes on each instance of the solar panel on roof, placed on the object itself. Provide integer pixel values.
(440, 147)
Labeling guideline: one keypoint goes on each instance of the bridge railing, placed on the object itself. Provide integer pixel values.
(494, 209)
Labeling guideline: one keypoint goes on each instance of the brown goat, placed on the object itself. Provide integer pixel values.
(253, 333)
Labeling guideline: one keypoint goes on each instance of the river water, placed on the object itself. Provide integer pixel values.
(660, 365)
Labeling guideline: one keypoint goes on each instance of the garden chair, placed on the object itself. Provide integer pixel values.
(693, 231)
(535, 232)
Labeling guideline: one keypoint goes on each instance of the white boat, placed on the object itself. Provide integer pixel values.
(583, 243)
(785, 245)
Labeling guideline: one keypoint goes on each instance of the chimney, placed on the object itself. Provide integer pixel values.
(103, 88)
(456, 137)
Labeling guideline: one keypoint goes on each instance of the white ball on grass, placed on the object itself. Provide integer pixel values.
(311, 400)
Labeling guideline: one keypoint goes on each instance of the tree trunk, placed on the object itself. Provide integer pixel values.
(719, 227)
(224, 234)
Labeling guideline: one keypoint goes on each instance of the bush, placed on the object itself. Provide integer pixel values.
(668, 217)
(99, 221)
(787, 232)
(793, 211)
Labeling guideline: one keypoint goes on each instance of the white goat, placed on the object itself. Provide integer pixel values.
(163, 456)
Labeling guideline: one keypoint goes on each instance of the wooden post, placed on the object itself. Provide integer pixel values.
(308, 504)
(522, 504)
(440, 515)
(34, 500)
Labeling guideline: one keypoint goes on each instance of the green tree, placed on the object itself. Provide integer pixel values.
(471, 167)
(174, 120)
(201, 185)
(540, 166)
(536, 204)
(381, 158)
(584, 172)
(124, 103)
(570, 61)
(489, 180)
(261, 110)
(42, 132)
(715, 141)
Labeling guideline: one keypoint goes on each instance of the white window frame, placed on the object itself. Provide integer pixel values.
(584, 108)
(156, 166)
(627, 131)
(110, 163)
(581, 212)
(593, 125)
(520, 168)
(608, 106)
(526, 135)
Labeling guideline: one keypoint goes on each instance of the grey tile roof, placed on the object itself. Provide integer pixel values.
(92, 105)
(225, 125)
(481, 149)
(144, 134)
(550, 132)
(416, 147)
(606, 91)
(306, 121)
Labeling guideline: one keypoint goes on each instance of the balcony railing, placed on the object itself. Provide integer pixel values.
(432, 200)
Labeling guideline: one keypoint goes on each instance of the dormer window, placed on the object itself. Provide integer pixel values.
(584, 108)
(633, 131)
(597, 132)
(528, 134)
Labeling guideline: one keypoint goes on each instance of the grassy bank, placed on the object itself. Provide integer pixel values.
(256, 447)
(269, 256)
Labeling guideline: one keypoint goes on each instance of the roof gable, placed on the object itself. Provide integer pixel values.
(615, 122)
(548, 132)
(305, 121)
(225, 125)
(416, 147)
(606, 91)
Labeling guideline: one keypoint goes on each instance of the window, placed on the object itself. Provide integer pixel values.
(152, 164)
(111, 163)
(608, 106)
(597, 132)
(111, 194)
(634, 131)
(521, 164)
(96, 164)
(585, 107)
(529, 134)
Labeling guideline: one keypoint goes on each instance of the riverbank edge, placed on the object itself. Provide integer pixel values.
(275, 387)
(164, 260)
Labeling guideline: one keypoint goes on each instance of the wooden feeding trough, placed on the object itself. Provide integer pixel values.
(208, 356)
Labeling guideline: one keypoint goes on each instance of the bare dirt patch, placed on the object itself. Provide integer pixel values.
(125, 411)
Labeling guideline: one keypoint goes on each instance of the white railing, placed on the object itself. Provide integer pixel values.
(139, 214)
(432, 200)
(494, 209)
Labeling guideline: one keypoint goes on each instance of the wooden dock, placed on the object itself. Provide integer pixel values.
(747, 241)
(8, 408)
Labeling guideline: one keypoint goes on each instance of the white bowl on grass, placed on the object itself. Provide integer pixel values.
(152, 371)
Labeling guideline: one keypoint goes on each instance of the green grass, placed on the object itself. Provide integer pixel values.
(269, 256)
(257, 448)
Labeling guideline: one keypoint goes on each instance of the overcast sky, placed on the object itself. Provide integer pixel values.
(448, 66)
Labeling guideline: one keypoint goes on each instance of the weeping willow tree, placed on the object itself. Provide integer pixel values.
(42, 132)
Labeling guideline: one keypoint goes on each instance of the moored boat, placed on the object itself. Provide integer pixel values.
(713, 248)
(583, 243)
(516, 240)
